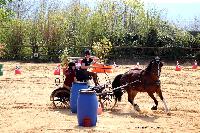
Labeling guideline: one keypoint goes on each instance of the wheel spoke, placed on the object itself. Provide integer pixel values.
(60, 100)
(58, 103)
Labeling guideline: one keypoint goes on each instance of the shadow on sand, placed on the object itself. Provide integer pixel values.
(143, 115)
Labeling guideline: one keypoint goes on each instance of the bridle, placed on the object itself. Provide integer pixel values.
(157, 61)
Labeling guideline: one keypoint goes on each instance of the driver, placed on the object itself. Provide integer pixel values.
(85, 64)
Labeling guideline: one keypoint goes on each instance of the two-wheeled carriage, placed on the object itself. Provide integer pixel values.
(60, 97)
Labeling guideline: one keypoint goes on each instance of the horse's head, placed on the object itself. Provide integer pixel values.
(155, 67)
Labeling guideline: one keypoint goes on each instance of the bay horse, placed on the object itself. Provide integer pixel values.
(140, 80)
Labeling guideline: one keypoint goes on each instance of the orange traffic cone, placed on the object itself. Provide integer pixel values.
(17, 70)
(57, 70)
(137, 66)
(99, 109)
(178, 67)
(114, 65)
(194, 66)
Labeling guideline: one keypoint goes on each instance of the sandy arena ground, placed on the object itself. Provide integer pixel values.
(25, 104)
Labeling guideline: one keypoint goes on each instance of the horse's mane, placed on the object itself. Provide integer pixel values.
(148, 68)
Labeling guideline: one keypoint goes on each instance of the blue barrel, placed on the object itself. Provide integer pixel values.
(87, 105)
(74, 94)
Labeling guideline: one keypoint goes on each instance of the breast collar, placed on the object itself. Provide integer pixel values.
(155, 82)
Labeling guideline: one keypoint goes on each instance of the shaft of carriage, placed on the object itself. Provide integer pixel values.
(107, 96)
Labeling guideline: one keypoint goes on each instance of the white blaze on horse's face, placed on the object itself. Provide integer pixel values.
(158, 68)
(157, 60)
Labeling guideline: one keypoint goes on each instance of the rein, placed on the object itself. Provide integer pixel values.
(117, 88)
(127, 84)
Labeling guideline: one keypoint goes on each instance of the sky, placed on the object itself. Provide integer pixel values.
(180, 12)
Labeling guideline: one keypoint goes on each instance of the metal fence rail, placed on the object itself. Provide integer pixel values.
(117, 53)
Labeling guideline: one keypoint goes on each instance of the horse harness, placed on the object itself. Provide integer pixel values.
(145, 83)
(156, 82)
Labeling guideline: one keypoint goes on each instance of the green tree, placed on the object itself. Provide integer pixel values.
(5, 13)
(102, 48)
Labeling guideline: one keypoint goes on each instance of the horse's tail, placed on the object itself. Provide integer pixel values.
(116, 83)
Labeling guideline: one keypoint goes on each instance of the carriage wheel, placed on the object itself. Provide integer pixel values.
(107, 101)
(60, 99)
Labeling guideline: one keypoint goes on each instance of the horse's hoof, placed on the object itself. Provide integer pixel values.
(154, 108)
(168, 113)
(137, 108)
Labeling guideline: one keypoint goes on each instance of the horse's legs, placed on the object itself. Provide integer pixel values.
(131, 96)
(154, 99)
(159, 92)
